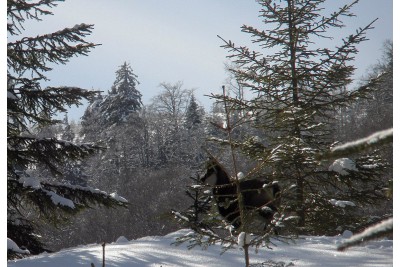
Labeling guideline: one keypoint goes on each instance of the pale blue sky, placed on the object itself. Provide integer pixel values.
(176, 40)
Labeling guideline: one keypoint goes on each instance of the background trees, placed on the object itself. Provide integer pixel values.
(375, 112)
(146, 157)
(31, 200)
(176, 120)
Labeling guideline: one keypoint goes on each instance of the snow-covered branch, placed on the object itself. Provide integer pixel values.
(374, 140)
(379, 230)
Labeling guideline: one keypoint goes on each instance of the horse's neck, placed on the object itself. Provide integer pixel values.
(222, 177)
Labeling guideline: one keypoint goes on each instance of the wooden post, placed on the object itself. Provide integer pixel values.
(104, 253)
(246, 254)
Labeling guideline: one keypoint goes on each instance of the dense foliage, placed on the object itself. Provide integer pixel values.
(31, 200)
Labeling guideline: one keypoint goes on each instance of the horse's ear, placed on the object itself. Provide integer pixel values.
(208, 164)
(211, 162)
(208, 167)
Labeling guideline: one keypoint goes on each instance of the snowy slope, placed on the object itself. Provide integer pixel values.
(157, 251)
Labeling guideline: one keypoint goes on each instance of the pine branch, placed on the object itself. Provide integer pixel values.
(333, 19)
(23, 151)
(32, 103)
(34, 53)
(18, 10)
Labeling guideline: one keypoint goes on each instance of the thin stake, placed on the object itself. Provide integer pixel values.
(104, 253)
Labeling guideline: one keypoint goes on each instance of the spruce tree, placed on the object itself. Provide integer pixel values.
(299, 89)
(193, 114)
(123, 99)
(31, 201)
(92, 120)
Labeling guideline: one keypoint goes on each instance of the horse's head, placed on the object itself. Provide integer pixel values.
(215, 174)
(210, 177)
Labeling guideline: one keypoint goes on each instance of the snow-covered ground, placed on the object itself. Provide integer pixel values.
(157, 251)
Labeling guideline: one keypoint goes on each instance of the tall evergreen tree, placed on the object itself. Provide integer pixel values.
(298, 90)
(30, 200)
(92, 120)
(124, 97)
(193, 113)
(67, 134)
(124, 100)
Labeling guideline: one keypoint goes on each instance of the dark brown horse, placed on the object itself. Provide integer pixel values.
(258, 195)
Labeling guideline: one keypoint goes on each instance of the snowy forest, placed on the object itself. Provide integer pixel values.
(322, 143)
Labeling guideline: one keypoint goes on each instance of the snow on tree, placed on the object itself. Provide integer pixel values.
(342, 165)
(375, 140)
(30, 200)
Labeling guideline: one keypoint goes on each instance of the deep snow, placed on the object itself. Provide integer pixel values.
(158, 251)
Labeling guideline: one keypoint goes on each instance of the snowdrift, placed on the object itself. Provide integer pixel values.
(157, 251)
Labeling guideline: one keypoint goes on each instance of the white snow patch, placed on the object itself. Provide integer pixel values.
(11, 245)
(341, 165)
(370, 166)
(29, 181)
(121, 239)
(180, 216)
(94, 190)
(207, 192)
(266, 209)
(118, 198)
(347, 234)
(77, 26)
(341, 203)
(59, 200)
(292, 218)
(240, 175)
(243, 239)
(292, 187)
